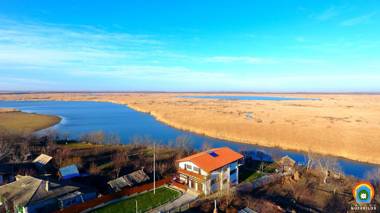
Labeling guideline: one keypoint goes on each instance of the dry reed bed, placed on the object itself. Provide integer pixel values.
(20, 122)
(340, 125)
(8, 110)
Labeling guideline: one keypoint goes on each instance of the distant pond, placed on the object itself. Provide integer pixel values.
(79, 118)
(250, 98)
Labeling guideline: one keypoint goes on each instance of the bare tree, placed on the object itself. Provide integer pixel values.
(311, 160)
(374, 177)
(14, 146)
(5, 145)
(328, 165)
(206, 146)
(112, 139)
(276, 154)
(230, 195)
(94, 169)
(61, 155)
(183, 143)
(163, 167)
(51, 135)
(24, 149)
(65, 136)
(94, 137)
(119, 160)
(51, 148)
(260, 155)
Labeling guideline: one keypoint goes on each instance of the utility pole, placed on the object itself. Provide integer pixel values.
(154, 168)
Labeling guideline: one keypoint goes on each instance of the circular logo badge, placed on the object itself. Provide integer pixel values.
(363, 192)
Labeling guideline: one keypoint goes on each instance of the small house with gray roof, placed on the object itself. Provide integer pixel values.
(30, 194)
(130, 179)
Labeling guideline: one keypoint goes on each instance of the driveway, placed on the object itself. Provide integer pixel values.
(184, 199)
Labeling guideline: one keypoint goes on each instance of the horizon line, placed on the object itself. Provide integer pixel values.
(2, 92)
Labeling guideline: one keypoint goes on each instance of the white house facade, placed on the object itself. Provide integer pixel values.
(210, 171)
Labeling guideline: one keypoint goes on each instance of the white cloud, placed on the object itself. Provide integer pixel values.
(327, 14)
(259, 60)
(87, 58)
(239, 59)
(47, 46)
(26, 84)
(358, 20)
(300, 39)
(158, 74)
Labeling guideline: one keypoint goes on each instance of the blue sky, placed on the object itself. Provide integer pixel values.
(284, 46)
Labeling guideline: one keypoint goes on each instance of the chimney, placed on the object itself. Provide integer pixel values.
(47, 185)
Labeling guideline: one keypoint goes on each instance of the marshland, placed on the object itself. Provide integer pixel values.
(342, 125)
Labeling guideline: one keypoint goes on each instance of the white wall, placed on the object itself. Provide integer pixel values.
(220, 174)
(182, 166)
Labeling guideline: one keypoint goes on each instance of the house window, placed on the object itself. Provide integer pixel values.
(196, 169)
(233, 171)
(213, 181)
(188, 167)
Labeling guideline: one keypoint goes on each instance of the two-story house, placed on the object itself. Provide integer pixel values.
(210, 171)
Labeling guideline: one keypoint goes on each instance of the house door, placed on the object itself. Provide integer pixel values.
(199, 186)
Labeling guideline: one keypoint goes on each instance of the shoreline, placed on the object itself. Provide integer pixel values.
(169, 123)
(61, 121)
(44, 122)
(174, 125)
(156, 104)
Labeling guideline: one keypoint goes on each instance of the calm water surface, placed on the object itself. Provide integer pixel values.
(82, 117)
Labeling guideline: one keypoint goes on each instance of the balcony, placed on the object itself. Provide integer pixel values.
(191, 174)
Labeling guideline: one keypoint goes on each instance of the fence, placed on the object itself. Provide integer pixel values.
(179, 185)
(181, 208)
(117, 195)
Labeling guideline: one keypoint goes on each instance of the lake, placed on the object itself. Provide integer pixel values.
(249, 98)
(79, 118)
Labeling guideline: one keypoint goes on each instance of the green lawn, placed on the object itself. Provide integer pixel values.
(145, 201)
(254, 176)
(252, 173)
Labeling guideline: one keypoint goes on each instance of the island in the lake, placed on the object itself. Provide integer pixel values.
(18, 122)
(345, 125)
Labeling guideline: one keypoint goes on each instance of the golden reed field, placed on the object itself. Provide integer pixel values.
(14, 121)
(345, 125)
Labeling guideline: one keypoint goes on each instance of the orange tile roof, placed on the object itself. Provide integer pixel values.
(209, 163)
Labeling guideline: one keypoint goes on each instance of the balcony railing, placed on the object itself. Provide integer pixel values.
(192, 174)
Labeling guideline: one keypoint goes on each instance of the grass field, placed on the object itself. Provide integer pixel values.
(145, 201)
(21, 122)
(77, 145)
